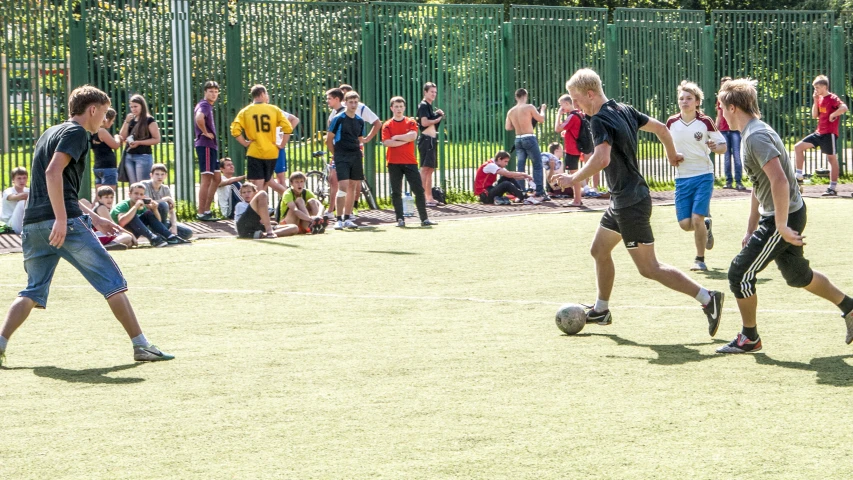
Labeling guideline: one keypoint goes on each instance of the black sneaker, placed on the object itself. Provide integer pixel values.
(741, 344)
(740, 187)
(714, 310)
(709, 243)
(601, 318)
(205, 217)
(401, 223)
(178, 240)
(728, 186)
(830, 192)
(158, 242)
(849, 320)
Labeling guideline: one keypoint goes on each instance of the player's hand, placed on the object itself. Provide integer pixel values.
(363, 140)
(439, 112)
(816, 95)
(208, 135)
(128, 118)
(711, 144)
(746, 238)
(139, 204)
(543, 106)
(832, 118)
(104, 225)
(131, 144)
(677, 160)
(791, 236)
(563, 181)
(57, 233)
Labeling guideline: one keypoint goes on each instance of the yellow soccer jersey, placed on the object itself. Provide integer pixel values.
(258, 123)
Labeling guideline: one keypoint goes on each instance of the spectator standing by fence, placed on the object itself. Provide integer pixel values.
(207, 149)
(428, 121)
(827, 107)
(375, 123)
(104, 145)
(140, 132)
(522, 118)
(732, 158)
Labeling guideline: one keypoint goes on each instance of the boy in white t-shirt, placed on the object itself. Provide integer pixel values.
(691, 132)
(15, 199)
(228, 192)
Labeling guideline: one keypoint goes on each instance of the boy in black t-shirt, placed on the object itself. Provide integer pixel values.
(56, 228)
(428, 121)
(344, 140)
(614, 130)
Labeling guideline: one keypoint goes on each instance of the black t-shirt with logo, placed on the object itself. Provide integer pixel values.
(69, 138)
(618, 124)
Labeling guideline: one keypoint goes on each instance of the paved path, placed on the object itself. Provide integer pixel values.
(225, 228)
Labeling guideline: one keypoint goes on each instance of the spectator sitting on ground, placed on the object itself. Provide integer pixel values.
(15, 199)
(140, 217)
(491, 192)
(105, 198)
(300, 207)
(228, 193)
(162, 196)
(252, 216)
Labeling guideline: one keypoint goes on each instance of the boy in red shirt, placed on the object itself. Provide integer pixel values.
(491, 192)
(826, 109)
(399, 135)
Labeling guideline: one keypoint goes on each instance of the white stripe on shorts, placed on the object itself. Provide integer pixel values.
(745, 289)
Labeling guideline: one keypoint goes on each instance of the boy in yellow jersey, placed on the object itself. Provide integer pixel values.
(255, 128)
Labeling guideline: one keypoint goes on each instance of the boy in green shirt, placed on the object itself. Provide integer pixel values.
(300, 207)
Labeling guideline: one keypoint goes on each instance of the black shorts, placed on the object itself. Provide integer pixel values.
(570, 162)
(427, 148)
(828, 142)
(631, 222)
(250, 224)
(259, 168)
(765, 245)
(349, 166)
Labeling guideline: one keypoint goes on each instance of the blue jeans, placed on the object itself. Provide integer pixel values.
(733, 150)
(138, 166)
(106, 176)
(81, 249)
(183, 231)
(528, 147)
(147, 225)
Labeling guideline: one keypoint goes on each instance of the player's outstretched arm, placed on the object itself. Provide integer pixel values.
(660, 130)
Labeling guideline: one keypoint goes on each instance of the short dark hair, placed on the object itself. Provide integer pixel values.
(111, 114)
(336, 93)
(19, 171)
(346, 88)
(82, 97)
(521, 92)
(398, 99)
(501, 154)
(428, 86)
(105, 190)
(297, 176)
(134, 186)
(553, 147)
(258, 90)
(210, 84)
(159, 166)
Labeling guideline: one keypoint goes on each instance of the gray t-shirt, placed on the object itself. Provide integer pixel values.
(156, 195)
(759, 145)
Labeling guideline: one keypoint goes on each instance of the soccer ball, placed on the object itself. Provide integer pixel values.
(571, 318)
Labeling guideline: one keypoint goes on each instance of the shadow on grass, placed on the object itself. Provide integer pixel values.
(93, 376)
(723, 274)
(278, 244)
(668, 354)
(392, 252)
(830, 370)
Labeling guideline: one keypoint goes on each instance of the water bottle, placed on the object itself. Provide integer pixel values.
(408, 205)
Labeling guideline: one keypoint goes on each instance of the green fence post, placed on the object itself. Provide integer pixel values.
(368, 94)
(508, 55)
(79, 75)
(612, 55)
(442, 72)
(234, 89)
(709, 74)
(836, 82)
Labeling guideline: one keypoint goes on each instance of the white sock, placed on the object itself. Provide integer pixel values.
(139, 340)
(799, 172)
(3, 342)
(600, 305)
(704, 296)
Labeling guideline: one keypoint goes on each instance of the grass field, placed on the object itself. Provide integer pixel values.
(416, 353)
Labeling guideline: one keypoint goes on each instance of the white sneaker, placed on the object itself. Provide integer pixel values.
(349, 224)
(532, 201)
(339, 225)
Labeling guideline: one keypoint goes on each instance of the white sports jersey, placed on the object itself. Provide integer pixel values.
(689, 139)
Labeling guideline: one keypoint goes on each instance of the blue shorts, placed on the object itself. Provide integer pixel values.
(281, 163)
(81, 249)
(693, 196)
(106, 176)
(208, 160)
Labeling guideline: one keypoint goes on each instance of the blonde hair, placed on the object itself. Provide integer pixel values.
(585, 80)
(692, 89)
(566, 98)
(741, 93)
(821, 80)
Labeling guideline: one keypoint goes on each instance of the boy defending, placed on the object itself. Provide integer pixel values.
(693, 133)
(55, 226)
(252, 216)
(827, 107)
(614, 131)
(300, 207)
(776, 219)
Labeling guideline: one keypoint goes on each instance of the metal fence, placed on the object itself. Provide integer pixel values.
(477, 55)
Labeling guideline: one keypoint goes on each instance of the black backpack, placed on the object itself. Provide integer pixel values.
(584, 140)
(438, 195)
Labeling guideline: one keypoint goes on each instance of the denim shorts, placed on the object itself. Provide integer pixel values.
(81, 249)
(106, 176)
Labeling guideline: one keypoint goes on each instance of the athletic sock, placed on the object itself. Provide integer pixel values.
(340, 218)
(799, 172)
(3, 342)
(139, 340)
(704, 296)
(600, 305)
(700, 259)
(832, 185)
(846, 307)
(751, 333)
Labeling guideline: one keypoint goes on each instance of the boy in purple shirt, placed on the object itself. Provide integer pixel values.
(207, 150)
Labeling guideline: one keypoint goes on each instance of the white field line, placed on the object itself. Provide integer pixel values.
(350, 296)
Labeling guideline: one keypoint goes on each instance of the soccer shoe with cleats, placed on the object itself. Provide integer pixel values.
(741, 344)
(714, 311)
(830, 192)
(709, 243)
(601, 318)
(849, 320)
(699, 267)
(150, 354)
